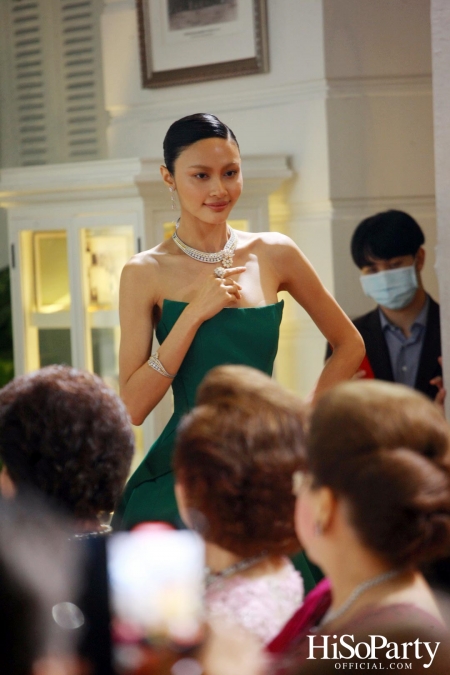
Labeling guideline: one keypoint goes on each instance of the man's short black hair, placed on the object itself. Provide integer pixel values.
(386, 235)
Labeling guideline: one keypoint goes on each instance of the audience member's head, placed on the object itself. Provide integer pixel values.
(386, 235)
(65, 433)
(37, 582)
(234, 459)
(381, 451)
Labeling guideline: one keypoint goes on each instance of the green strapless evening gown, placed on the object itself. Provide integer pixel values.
(247, 336)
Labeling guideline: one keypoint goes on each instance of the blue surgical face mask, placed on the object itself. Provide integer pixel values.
(393, 289)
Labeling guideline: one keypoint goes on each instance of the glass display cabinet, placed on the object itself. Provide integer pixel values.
(105, 252)
(68, 280)
(46, 296)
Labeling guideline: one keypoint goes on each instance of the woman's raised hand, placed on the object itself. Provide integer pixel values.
(215, 294)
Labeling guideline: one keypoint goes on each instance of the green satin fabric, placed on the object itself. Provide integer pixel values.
(247, 336)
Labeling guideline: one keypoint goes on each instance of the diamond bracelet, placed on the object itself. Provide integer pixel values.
(156, 364)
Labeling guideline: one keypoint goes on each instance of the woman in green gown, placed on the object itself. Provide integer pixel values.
(211, 294)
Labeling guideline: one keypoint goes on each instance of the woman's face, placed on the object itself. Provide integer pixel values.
(208, 179)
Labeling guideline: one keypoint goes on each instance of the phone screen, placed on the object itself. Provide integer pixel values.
(156, 586)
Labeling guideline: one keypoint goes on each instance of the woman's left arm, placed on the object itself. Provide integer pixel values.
(297, 276)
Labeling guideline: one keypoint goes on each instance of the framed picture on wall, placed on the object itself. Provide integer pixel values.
(185, 41)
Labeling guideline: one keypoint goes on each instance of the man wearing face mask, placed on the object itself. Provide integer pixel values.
(402, 335)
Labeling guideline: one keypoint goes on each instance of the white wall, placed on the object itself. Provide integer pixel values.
(440, 19)
(4, 249)
(380, 125)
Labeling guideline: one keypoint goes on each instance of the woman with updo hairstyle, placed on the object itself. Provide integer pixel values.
(234, 458)
(210, 293)
(372, 508)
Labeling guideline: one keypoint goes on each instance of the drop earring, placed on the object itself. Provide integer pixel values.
(172, 198)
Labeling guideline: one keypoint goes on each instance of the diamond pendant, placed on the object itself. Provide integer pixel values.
(227, 259)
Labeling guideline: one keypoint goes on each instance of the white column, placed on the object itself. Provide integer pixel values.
(380, 126)
(440, 29)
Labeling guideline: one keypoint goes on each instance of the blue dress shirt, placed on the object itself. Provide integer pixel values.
(405, 351)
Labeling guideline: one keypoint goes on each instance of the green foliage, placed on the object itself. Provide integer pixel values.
(6, 371)
(6, 339)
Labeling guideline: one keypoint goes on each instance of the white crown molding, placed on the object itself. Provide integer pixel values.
(118, 178)
(351, 208)
(424, 205)
(257, 167)
(270, 96)
(402, 85)
(62, 182)
(238, 100)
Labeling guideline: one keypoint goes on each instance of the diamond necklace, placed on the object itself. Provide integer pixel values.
(355, 594)
(211, 577)
(225, 256)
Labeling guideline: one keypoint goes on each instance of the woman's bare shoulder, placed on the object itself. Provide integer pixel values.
(141, 276)
(273, 244)
(265, 239)
(147, 263)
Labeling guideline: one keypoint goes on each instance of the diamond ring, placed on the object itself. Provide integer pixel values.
(219, 272)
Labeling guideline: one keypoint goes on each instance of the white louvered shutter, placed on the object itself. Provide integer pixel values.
(51, 82)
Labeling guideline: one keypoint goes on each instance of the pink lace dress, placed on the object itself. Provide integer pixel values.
(260, 605)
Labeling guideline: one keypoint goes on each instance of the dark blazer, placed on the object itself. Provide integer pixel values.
(369, 325)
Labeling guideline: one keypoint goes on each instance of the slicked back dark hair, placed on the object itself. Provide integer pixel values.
(386, 235)
(189, 130)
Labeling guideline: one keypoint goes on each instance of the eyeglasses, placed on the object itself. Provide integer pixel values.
(301, 480)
